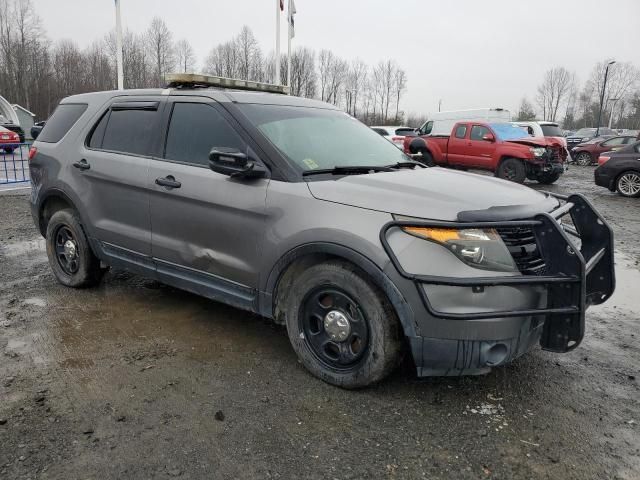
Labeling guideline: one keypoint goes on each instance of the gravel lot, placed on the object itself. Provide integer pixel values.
(137, 380)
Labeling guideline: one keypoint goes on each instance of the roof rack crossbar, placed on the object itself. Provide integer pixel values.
(192, 80)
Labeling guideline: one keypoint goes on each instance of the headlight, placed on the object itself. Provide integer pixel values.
(538, 151)
(479, 248)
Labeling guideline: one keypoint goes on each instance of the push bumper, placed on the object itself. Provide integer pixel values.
(579, 272)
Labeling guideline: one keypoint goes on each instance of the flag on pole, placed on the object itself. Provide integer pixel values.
(292, 22)
(282, 5)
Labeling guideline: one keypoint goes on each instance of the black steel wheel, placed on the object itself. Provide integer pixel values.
(341, 326)
(67, 253)
(335, 327)
(70, 255)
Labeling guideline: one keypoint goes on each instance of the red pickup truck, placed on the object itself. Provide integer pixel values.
(502, 148)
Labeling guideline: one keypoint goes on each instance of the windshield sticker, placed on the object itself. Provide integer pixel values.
(309, 162)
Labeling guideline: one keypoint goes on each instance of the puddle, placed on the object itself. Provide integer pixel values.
(22, 248)
(626, 295)
(36, 302)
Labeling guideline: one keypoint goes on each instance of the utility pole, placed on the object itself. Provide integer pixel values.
(604, 86)
(279, 5)
(119, 55)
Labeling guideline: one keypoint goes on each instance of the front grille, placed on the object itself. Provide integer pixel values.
(521, 242)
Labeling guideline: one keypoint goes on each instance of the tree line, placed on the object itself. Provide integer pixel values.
(37, 74)
(561, 98)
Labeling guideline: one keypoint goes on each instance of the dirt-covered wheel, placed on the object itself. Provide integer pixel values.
(513, 170)
(547, 178)
(341, 326)
(70, 256)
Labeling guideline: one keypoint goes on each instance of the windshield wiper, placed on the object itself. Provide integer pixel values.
(407, 164)
(349, 170)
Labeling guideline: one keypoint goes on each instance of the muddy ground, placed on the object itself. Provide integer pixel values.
(137, 380)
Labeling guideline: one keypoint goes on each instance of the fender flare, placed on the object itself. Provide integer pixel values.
(381, 280)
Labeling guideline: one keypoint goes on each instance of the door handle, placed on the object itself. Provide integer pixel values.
(82, 165)
(168, 181)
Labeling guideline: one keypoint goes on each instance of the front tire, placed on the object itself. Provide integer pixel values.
(70, 256)
(8, 150)
(628, 184)
(513, 170)
(341, 326)
(584, 159)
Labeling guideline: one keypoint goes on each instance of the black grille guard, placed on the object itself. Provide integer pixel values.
(574, 280)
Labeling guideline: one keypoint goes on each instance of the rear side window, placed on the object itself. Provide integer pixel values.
(194, 130)
(64, 117)
(551, 131)
(380, 131)
(407, 132)
(461, 131)
(128, 131)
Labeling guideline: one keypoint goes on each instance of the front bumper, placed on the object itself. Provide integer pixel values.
(577, 273)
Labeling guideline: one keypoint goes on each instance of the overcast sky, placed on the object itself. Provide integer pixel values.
(468, 53)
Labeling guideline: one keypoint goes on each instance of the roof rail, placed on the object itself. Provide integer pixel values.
(192, 80)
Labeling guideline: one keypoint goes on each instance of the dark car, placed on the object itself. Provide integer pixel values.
(587, 153)
(620, 171)
(586, 134)
(36, 129)
(290, 208)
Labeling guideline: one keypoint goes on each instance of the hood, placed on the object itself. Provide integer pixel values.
(538, 141)
(431, 193)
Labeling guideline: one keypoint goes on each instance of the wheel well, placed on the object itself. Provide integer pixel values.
(288, 275)
(50, 206)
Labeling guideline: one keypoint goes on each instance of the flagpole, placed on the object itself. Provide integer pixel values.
(277, 79)
(119, 55)
(289, 48)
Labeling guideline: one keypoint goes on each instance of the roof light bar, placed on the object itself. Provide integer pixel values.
(176, 80)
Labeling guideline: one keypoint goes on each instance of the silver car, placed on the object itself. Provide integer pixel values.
(292, 209)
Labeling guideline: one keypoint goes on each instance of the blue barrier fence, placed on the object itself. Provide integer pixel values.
(14, 163)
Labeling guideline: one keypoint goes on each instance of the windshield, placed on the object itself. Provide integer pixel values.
(551, 131)
(313, 138)
(585, 132)
(506, 131)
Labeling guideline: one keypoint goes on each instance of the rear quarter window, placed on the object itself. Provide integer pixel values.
(59, 124)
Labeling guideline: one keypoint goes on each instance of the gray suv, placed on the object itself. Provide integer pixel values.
(292, 209)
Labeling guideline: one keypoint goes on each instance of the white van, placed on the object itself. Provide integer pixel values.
(442, 123)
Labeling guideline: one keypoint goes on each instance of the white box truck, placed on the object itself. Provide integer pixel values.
(442, 123)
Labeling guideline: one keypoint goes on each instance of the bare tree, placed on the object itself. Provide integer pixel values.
(355, 84)
(160, 45)
(554, 91)
(185, 56)
(399, 85)
(247, 48)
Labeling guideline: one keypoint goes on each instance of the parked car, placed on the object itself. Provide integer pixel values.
(289, 208)
(441, 123)
(36, 129)
(587, 153)
(8, 140)
(396, 135)
(586, 134)
(502, 148)
(620, 170)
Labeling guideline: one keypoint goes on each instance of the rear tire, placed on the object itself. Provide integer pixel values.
(427, 158)
(547, 178)
(584, 159)
(365, 346)
(8, 150)
(628, 184)
(70, 256)
(513, 170)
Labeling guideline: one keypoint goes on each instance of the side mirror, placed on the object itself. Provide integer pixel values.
(488, 137)
(234, 163)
